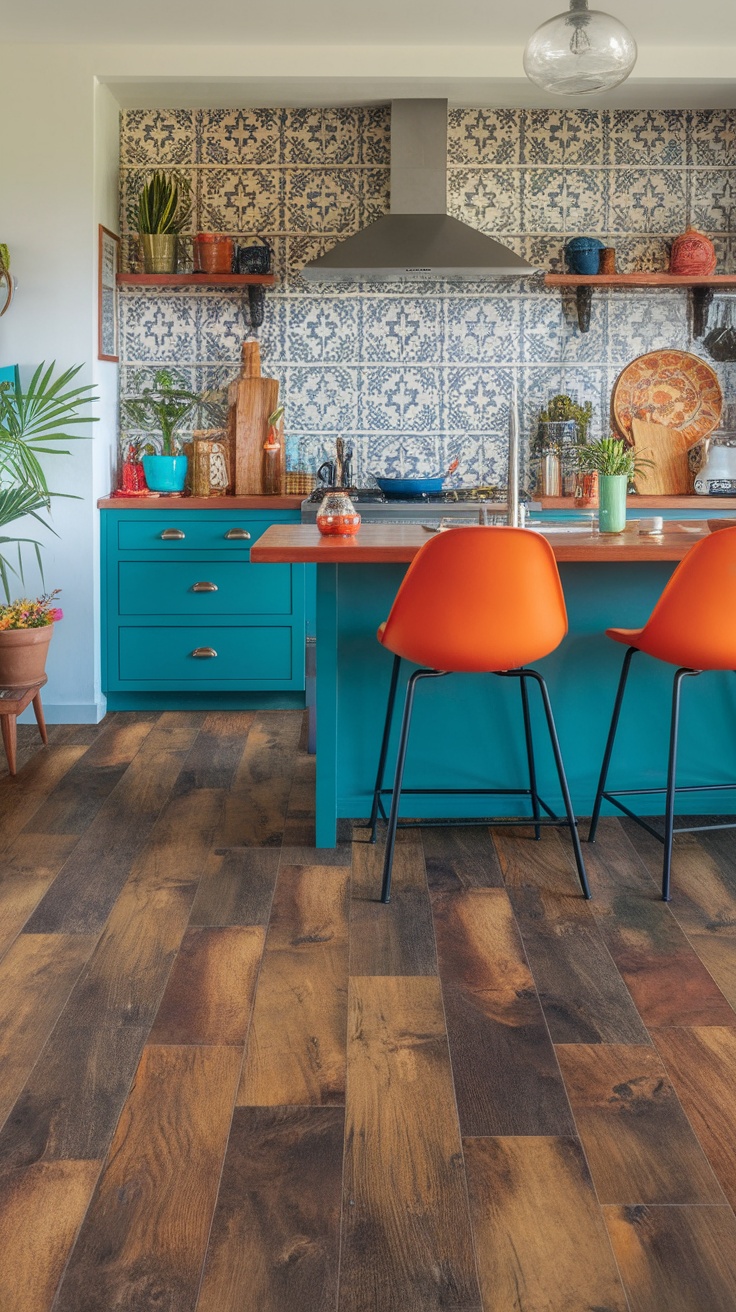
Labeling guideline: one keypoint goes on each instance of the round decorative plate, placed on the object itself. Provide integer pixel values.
(672, 388)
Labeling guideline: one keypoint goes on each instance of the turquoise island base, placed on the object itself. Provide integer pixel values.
(467, 730)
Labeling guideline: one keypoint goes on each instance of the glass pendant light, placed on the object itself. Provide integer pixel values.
(579, 52)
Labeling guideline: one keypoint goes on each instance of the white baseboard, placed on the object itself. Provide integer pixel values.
(68, 712)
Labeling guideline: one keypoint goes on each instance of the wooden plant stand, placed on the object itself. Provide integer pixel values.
(13, 702)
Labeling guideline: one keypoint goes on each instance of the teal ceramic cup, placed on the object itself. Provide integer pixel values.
(165, 473)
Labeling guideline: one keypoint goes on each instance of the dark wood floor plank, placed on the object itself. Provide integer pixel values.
(540, 1237)
(21, 795)
(546, 864)
(296, 1045)
(81, 897)
(299, 827)
(216, 754)
(275, 1235)
(702, 1066)
(209, 996)
(41, 1209)
(393, 939)
(665, 976)
(237, 887)
(583, 996)
(458, 858)
(36, 977)
(27, 869)
(406, 1229)
(506, 1075)
(682, 1259)
(256, 805)
(639, 1143)
(143, 1241)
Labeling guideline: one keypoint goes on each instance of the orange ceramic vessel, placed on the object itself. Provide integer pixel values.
(23, 656)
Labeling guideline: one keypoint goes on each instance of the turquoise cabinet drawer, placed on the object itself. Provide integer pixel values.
(157, 656)
(183, 532)
(226, 587)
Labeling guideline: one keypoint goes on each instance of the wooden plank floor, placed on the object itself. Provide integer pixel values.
(232, 1081)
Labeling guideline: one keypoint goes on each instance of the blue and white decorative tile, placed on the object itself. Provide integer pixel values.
(647, 200)
(374, 128)
(323, 200)
(375, 189)
(301, 251)
(239, 136)
(483, 137)
(394, 455)
(653, 137)
(477, 398)
(488, 200)
(712, 135)
(483, 330)
(541, 329)
(401, 329)
(154, 137)
(241, 200)
(537, 386)
(564, 136)
(543, 200)
(586, 136)
(404, 399)
(321, 397)
(585, 200)
(713, 202)
(647, 321)
(641, 254)
(543, 136)
(543, 253)
(321, 136)
(222, 325)
(322, 328)
(214, 379)
(589, 383)
(158, 329)
(584, 348)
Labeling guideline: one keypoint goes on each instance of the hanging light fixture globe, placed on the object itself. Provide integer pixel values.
(579, 52)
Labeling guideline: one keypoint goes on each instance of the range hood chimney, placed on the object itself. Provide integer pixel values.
(417, 240)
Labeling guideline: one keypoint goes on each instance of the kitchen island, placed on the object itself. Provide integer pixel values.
(467, 731)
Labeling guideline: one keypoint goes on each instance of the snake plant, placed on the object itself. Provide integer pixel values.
(163, 205)
(610, 455)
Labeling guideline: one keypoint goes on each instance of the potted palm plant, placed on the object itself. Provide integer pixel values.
(31, 423)
(615, 464)
(159, 213)
(163, 407)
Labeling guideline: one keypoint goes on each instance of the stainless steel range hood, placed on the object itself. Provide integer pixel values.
(417, 240)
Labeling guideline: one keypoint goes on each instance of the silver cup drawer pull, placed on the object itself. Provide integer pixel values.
(204, 653)
(237, 535)
(204, 587)
(172, 535)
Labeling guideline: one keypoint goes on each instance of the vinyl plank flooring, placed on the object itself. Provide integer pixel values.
(27, 869)
(209, 995)
(540, 1237)
(547, 864)
(702, 1066)
(299, 828)
(143, 1240)
(639, 1143)
(275, 1236)
(237, 887)
(21, 796)
(41, 1209)
(458, 858)
(679, 1258)
(397, 938)
(506, 1076)
(257, 802)
(216, 754)
(296, 1046)
(406, 1243)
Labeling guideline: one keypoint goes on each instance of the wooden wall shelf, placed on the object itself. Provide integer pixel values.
(701, 287)
(196, 279)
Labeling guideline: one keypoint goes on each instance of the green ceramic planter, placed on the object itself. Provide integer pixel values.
(612, 502)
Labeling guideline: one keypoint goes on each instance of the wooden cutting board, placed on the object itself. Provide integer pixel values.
(253, 398)
(669, 473)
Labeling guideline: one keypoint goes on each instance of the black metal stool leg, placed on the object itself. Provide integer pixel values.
(669, 814)
(571, 821)
(393, 818)
(384, 745)
(530, 754)
(609, 743)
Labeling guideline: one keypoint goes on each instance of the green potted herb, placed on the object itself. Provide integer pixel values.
(615, 464)
(563, 421)
(159, 213)
(164, 407)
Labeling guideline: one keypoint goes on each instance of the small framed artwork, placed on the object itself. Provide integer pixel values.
(107, 295)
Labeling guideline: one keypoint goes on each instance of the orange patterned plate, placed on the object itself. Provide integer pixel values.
(672, 388)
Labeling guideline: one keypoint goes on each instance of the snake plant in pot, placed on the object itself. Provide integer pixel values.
(32, 422)
(159, 213)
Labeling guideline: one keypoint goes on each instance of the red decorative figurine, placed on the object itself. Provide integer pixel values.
(132, 478)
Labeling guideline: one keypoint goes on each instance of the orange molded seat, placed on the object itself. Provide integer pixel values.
(478, 600)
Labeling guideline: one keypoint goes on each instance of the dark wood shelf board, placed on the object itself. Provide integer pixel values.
(639, 280)
(196, 279)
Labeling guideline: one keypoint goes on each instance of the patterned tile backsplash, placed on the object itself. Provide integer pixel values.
(415, 376)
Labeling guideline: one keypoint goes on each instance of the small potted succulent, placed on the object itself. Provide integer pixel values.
(164, 407)
(615, 464)
(159, 213)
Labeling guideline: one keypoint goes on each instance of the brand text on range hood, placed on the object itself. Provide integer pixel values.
(417, 239)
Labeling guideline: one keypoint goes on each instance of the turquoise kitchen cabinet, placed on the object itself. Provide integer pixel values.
(187, 620)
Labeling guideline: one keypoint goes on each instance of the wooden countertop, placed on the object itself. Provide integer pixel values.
(637, 502)
(175, 504)
(382, 544)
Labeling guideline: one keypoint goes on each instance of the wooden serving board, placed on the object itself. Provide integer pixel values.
(669, 473)
(253, 398)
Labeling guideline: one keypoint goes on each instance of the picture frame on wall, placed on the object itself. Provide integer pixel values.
(107, 295)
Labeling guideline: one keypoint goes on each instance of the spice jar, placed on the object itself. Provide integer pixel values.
(213, 253)
(337, 516)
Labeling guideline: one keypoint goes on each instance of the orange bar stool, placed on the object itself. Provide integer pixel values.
(692, 626)
(475, 600)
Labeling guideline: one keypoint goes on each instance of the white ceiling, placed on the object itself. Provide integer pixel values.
(348, 22)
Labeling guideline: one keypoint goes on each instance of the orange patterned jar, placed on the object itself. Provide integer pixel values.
(337, 516)
(693, 253)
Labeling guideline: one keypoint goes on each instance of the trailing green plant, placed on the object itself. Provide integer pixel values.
(165, 406)
(49, 410)
(163, 205)
(562, 409)
(609, 456)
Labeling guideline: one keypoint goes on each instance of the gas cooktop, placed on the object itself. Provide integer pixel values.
(467, 504)
(450, 496)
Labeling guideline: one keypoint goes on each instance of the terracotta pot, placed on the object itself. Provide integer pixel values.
(23, 656)
(213, 253)
(692, 253)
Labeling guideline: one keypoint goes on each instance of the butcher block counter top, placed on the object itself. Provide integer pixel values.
(175, 504)
(399, 543)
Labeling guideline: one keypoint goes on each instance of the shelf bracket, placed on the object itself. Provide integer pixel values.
(701, 303)
(584, 298)
(256, 305)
